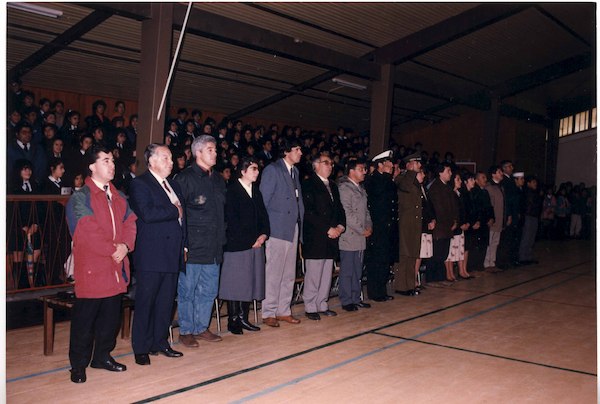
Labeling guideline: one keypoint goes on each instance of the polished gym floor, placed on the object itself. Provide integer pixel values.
(523, 335)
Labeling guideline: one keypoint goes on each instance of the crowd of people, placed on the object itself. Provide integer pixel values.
(229, 210)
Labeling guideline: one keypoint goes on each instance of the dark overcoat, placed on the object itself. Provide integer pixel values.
(410, 213)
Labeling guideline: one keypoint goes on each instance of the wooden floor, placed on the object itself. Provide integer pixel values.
(524, 335)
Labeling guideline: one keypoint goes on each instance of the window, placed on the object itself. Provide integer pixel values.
(580, 122)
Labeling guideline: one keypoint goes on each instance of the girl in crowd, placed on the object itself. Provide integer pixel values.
(243, 270)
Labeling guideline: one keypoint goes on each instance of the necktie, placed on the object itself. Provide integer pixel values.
(166, 186)
(107, 195)
(27, 187)
(328, 189)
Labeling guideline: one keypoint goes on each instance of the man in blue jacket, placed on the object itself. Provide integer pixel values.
(280, 187)
(158, 256)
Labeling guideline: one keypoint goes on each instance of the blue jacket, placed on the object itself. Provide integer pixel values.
(279, 194)
(159, 243)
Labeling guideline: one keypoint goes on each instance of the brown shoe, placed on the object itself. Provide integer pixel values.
(271, 322)
(288, 319)
(188, 341)
(209, 336)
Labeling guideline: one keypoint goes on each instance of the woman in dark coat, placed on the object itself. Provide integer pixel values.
(243, 270)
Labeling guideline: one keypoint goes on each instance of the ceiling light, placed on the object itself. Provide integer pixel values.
(35, 9)
(349, 84)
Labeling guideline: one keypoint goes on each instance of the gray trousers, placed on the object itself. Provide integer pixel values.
(490, 254)
(280, 274)
(528, 234)
(351, 266)
(317, 284)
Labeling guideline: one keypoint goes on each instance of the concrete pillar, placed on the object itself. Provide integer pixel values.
(552, 152)
(157, 34)
(382, 100)
(489, 139)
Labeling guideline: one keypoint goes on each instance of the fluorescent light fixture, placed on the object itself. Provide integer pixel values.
(35, 9)
(349, 84)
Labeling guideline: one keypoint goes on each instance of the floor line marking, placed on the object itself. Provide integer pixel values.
(378, 350)
(486, 354)
(326, 345)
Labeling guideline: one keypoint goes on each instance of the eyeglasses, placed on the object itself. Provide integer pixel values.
(326, 162)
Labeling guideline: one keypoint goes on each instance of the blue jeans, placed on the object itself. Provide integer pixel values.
(197, 290)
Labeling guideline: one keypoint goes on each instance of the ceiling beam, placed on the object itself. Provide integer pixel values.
(446, 31)
(219, 28)
(75, 32)
(227, 30)
(543, 75)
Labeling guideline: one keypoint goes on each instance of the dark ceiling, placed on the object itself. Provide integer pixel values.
(276, 61)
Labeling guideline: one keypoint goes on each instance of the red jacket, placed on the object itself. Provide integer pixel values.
(88, 215)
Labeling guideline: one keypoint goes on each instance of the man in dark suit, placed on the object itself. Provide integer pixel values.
(158, 254)
(22, 147)
(280, 187)
(324, 222)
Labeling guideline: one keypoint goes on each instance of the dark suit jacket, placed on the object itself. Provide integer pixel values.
(246, 217)
(159, 243)
(320, 214)
(446, 209)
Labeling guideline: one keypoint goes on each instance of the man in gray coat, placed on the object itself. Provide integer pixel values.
(280, 188)
(353, 241)
(496, 193)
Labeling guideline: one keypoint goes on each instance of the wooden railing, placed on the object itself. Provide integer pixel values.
(35, 255)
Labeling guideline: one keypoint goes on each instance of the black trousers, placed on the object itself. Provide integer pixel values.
(377, 278)
(436, 270)
(508, 249)
(154, 299)
(94, 327)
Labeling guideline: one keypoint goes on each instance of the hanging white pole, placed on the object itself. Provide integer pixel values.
(181, 34)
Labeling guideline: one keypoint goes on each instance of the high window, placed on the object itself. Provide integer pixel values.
(579, 122)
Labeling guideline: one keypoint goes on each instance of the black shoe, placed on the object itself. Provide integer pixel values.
(143, 359)
(350, 307)
(406, 292)
(235, 329)
(168, 352)
(244, 308)
(78, 375)
(246, 325)
(313, 316)
(363, 305)
(380, 299)
(109, 364)
(328, 313)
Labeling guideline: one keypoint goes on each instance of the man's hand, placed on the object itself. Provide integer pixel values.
(431, 225)
(120, 253)
(333, 232)
(476, 225)
(368, 232)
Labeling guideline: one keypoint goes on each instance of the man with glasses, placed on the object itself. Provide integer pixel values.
(353, 241)
(324, 222)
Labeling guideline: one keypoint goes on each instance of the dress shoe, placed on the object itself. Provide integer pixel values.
(379, 299)
(246, 325)
(168, 352)
(78, 375)
(142, 359)
(328, 313)
(466, 277)
(363, 305)
(189, 341)
(288, 319)
(350, 307)
(313, 316)
(406, 292)
(271, 322)
(206, 335)
(109, 364)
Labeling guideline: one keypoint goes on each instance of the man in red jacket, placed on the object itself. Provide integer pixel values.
(103, 230)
